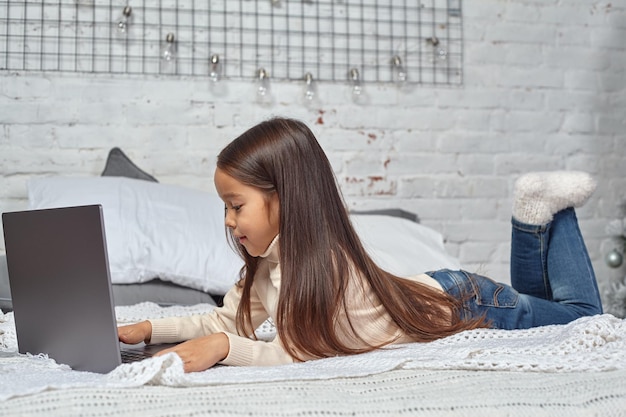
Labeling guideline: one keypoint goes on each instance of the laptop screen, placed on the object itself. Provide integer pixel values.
(60, 286)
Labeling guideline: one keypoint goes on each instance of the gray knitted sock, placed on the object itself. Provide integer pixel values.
(539, 195)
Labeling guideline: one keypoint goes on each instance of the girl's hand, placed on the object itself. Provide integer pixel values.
(201, 353)
(135, 333)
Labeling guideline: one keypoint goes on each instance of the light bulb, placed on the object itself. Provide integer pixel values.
(439, 52)
(355, 81)
(263, 95)
(310, 92)
(398, 71)
(216, 68)
(124, 21)
(168, 52)
(262, 82)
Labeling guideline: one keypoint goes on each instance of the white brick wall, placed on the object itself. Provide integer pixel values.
(544, 89)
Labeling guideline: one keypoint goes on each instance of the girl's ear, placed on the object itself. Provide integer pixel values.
(274, 208)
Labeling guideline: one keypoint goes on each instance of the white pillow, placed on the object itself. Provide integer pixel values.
(152, 230)
(177, 234)
(402, 247)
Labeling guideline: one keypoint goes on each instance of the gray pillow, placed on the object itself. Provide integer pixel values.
(390, 212)
(120, 165)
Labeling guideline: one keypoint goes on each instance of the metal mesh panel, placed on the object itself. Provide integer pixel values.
(378, 38)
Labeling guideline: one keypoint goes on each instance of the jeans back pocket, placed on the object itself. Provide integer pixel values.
(490, 293)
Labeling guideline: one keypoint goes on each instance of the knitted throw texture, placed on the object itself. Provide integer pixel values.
(587, 350)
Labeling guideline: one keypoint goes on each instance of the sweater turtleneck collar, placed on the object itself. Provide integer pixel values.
(271, 253)
(273, 260)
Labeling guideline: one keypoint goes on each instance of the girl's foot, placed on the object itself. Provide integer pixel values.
(540, 195)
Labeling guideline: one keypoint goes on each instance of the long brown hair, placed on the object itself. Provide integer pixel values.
(319, 248)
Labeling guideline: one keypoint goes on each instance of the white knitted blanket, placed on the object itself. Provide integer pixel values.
(589, 344)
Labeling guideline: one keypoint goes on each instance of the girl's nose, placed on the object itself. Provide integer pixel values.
(229, 221)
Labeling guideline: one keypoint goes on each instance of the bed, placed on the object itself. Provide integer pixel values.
(575, 369)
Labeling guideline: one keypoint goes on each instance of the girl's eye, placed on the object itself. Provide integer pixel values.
(235, 208)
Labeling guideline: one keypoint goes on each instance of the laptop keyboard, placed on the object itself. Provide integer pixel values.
(134, 355)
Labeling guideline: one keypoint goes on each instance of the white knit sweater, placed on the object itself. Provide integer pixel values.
(367, 316)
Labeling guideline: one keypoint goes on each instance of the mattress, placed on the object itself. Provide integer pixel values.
(157, 291)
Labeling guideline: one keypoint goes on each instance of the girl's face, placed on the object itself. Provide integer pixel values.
(251, 214)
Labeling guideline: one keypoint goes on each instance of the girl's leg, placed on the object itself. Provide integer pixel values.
(538, 197)
(570, 273)
(529, 259)
(552, 278)
(552, 263)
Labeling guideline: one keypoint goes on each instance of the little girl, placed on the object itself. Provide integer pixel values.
(306, 268)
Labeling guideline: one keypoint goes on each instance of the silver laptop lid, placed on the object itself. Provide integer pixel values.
(60, 285)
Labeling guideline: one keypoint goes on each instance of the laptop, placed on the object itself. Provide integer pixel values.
(61, 288)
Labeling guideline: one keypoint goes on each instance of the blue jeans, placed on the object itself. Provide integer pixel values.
(552, 280)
